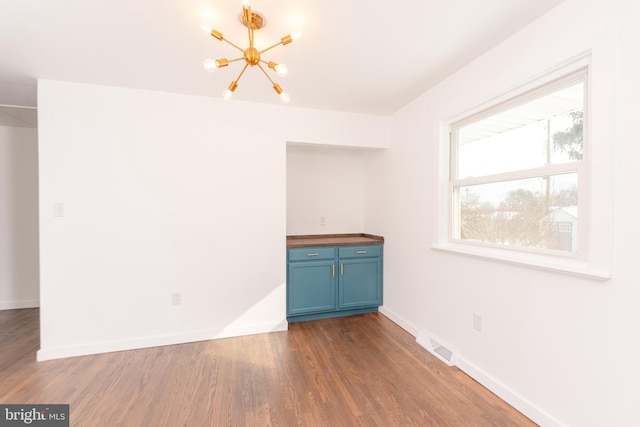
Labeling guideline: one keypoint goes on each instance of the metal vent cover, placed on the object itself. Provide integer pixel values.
(444, 352)
(435, 347)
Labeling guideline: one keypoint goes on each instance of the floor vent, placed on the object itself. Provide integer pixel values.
(436, 348)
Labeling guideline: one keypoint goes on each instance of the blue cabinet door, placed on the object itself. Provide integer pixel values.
(360, 283)
(310, 287)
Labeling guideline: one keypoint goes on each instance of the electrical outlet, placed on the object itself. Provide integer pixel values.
(176, 298)
(477, 322)
(323, 220)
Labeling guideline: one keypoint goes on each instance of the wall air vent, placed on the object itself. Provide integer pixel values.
(435, 347)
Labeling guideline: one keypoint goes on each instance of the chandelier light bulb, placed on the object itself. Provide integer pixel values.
(229, 91)
(281, 69)
(296, 35)
(245, 2)
(206, 29)
(285, 97)
(210, 65)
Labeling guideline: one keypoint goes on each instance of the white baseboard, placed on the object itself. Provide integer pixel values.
(514, 399)
(60, 352)
(523, 405)
(400, 321)
(13, 305)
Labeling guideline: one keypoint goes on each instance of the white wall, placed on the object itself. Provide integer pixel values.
(166, 193)
(563, 349)
(325, 182)
(19, 271)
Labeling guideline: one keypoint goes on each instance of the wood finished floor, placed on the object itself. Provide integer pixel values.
(352, 371)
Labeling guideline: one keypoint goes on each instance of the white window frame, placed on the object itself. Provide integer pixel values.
(591, 259)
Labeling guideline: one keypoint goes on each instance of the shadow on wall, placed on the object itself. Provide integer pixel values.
(19, 249)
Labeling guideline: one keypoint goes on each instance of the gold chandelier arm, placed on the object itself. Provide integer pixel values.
(266, 74)
(283, 41)
(246, 15)
(235, 60)
(218, 35)
(234, 45)
(270, 47)
(241, 73)
(247, 19)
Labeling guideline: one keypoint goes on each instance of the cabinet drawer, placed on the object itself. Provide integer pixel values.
(308, 254)
(360, 251)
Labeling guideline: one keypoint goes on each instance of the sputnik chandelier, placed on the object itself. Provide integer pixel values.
(251, 56)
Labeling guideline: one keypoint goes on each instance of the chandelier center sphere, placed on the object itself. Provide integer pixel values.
(252, 56)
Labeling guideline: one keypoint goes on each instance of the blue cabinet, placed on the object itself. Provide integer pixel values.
(312, 287)
(330, 281)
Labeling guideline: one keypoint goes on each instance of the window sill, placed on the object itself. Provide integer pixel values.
(542, 262)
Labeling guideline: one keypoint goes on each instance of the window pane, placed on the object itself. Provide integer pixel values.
(539, 213)
(543, 131)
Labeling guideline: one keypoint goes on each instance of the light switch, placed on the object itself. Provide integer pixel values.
(58, 209)
(477, 322)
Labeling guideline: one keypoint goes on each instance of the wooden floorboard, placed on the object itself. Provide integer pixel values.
(351, 371)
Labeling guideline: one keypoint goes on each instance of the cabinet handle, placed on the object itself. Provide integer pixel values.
(313, 254)
(361, 252)
(342, 269)
(333, 269)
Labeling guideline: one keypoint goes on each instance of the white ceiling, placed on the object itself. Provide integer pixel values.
(354, 55)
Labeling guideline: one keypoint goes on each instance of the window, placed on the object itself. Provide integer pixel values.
(518, 175)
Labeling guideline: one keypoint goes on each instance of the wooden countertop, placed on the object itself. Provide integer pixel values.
(333, 240)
